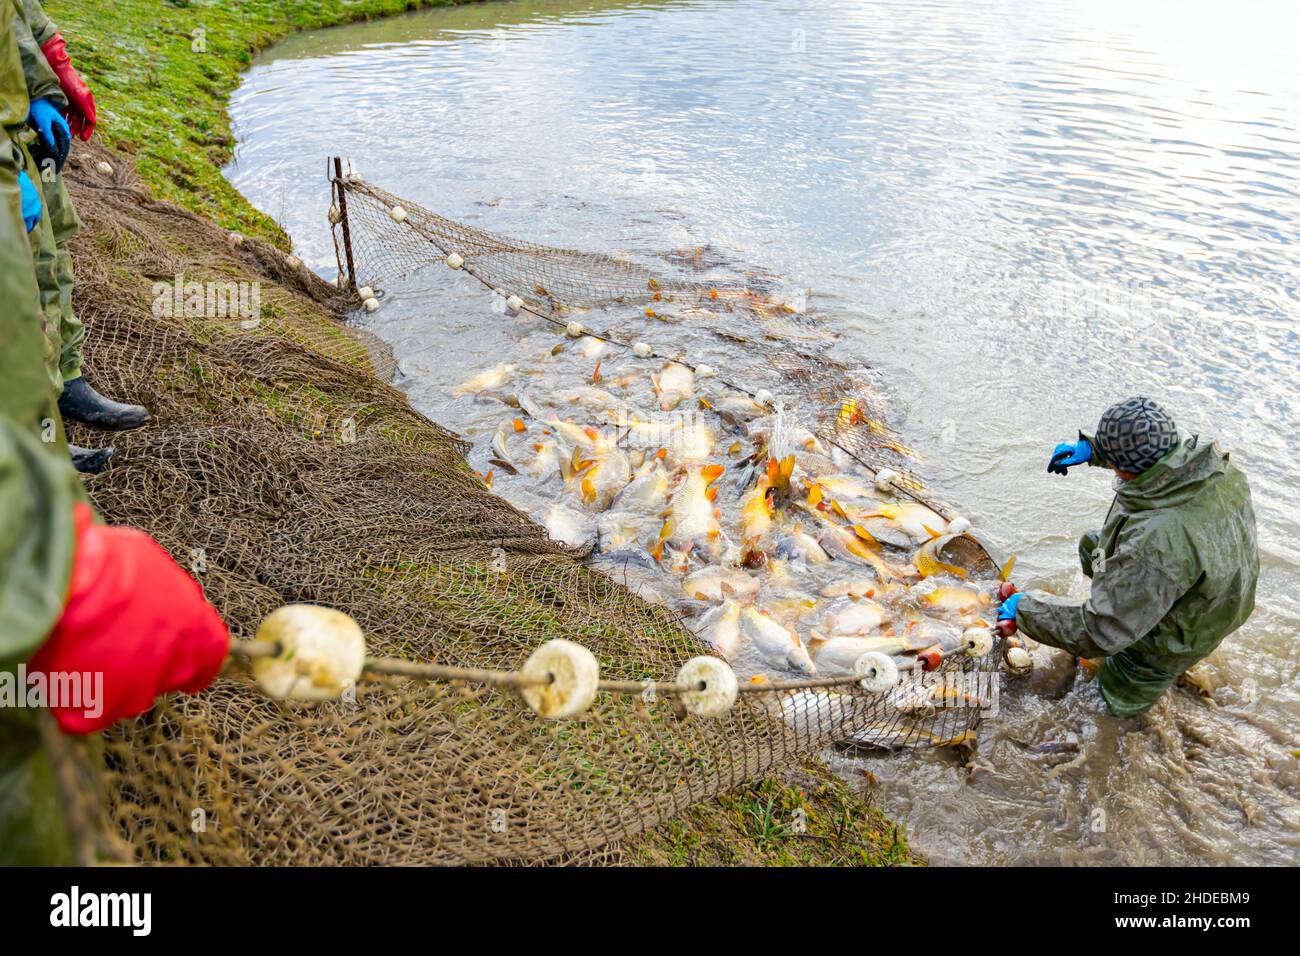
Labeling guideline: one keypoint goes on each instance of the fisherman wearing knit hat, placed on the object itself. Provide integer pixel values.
(1173, 569)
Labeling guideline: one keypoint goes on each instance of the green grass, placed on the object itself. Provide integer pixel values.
(803, 817)
(162, 72)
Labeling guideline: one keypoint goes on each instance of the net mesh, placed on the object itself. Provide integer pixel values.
(280, 466)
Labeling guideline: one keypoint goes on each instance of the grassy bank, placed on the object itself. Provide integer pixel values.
(162, 101)
(163, 70)
(802, 817)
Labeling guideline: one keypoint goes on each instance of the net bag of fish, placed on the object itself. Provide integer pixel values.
(742, 554)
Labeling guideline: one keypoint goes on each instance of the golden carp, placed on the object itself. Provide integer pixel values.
(585, 395)
(963, 602)
(720, 627)
(853, 587)
(568, 527)
(927, 560)
(491, 378)
(674, 384)
(776, 643)
(847, 488)
(915, 520)
(842, 652)
(608, 474)
(645, 494)
(798, 545)
(848, 616)
(687, 437)
(691, 508)
(713, 583)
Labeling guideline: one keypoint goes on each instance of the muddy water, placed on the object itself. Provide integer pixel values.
(1014, 213)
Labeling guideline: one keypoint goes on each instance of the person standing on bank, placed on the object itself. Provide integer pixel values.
(62, 107)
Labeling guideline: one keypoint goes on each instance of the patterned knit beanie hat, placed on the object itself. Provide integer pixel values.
(1135, 434)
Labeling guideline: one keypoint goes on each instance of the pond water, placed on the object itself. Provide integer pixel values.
(1013, 213)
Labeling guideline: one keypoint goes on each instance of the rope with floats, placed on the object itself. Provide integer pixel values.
(305, 652)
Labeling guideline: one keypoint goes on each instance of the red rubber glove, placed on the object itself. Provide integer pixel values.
(81, 103)
(1005, 628)
(134, 616)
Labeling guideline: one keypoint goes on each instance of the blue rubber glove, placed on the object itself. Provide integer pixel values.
(1007, 612)
(31, 201)
(52, 129)
(1069, 453)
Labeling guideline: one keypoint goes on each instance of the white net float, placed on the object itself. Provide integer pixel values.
(560, 679)
(764, 397)
(454, 260)
(293, 262)
(885, 479)
(514, 303)
(322, 652)
(237, 238)
(720, 686)
(977, 641)
(704, 371)
(878, 671)
(1019, 659)
(103, 168)
(335, 217)
(397, 214)
(641, 349)
(574, 329)
(371, 304)
(958, 525)
(365, 292)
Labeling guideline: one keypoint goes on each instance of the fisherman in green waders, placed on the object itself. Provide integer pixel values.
(100, 609)
(1173, 569)
(61, 109)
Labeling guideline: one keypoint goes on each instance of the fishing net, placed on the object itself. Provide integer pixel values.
(381, 237)
(281, 466)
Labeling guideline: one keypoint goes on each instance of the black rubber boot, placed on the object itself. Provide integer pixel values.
(81, 403)
(91, 461)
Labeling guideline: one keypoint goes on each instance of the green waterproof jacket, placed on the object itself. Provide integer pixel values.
(1173, 573)
(32, 28)
(37, 491)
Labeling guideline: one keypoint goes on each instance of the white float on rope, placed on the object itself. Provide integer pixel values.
(878, 671)
(720, 686)
(977, 641)
(322, 653)
(560, 679)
